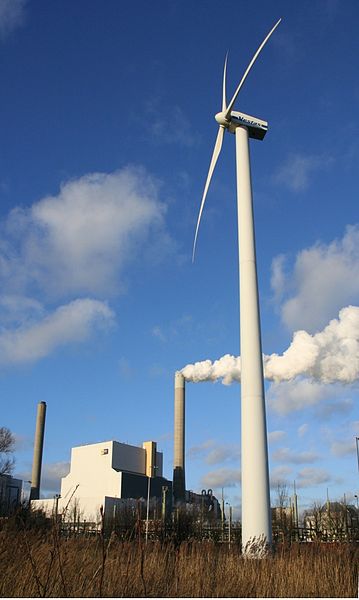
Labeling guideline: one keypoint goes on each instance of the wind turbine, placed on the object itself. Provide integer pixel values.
(256, 517)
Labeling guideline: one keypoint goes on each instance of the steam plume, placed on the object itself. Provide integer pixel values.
(329, 356)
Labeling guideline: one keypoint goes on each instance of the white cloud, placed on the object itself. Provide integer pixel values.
(325, 277)
(311, 476)
(343, 448)
(278, 279)
(12, 16)
(79, 241)
(299, 394)
(213, 453)
(200, 450)
(17, 309)
(340, 405)
(23, 442)
(290, 456)
(279, 475)
(178, 327)
(76, 243)
(302, 429)
(221, 478)
(125, 368)
(157, 370)
(170, 126)
(220, 454)
(276, 436)
(158, 333)
(295, 173)
(51, 475)
(68, 324)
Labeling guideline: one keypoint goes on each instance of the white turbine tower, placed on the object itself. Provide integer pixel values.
(256, 518)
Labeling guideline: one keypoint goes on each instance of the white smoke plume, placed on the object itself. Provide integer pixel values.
(227, 368)
(329, 356)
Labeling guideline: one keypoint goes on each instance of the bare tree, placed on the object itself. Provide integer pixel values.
(7, 447)
(281, 514)
(314, 516)
(282, 494)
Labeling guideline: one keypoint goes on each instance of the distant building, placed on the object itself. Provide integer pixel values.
(334, 519)
(106, 475)
(206, 502)
(282, 515)
(10, 494)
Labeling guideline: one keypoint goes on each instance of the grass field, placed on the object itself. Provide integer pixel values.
(35, 564)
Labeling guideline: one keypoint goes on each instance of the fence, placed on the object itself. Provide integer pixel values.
(215, 531)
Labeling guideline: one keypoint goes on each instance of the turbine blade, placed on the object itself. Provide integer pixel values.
(230, 106)
(224, 101)
(216, 151)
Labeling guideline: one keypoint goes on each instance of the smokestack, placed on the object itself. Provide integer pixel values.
(295, 508)
(38, 447)
(179, 485)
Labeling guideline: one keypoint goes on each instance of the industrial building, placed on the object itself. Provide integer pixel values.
(10, 494)
(105, 475)
(109, 475)
(332, 519)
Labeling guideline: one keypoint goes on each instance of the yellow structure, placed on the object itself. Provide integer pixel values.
(151, 455)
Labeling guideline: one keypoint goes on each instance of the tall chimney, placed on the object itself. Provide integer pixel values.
(38, 446)
(179, 485)
(295, 507)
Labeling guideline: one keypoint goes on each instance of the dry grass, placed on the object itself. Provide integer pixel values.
(37, 564)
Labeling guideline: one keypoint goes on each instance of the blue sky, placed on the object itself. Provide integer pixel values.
(107, 131)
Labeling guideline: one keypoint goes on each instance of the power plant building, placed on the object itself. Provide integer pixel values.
(10, 494)
(105, 475)
(109, 475)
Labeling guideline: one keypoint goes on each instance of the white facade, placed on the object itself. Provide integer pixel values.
(96, 478)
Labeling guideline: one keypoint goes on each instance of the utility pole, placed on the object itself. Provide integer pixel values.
(345, 515)
(148, 502)
(148, 507)
(56, 498)
(222, 515)
(164, 503)
(229, 525)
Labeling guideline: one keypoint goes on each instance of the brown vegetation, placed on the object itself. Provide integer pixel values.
(37, 563)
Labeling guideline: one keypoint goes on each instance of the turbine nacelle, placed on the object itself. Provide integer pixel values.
(257, 128)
